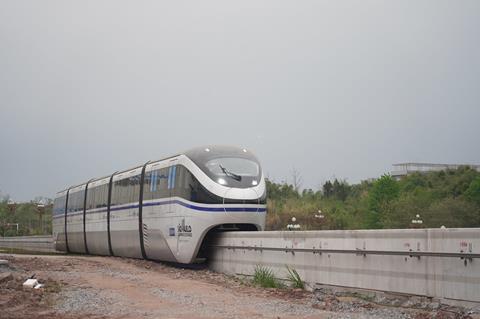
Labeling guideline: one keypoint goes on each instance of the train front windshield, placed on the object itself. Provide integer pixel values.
(228, 166)
(231, 171)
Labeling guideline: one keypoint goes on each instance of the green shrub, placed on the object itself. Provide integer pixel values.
(473, 191)
(264, 277)
(295, 278)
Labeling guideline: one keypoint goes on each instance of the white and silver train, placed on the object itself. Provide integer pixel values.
(163, 210)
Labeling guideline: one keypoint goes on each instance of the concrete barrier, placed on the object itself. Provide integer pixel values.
(28, 243)
(403, 261)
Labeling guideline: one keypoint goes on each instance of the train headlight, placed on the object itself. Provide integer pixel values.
(254, 182)
(221, 181)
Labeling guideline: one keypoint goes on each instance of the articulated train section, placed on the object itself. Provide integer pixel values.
(438, 263)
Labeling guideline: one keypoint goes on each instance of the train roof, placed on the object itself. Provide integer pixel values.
(199, 154)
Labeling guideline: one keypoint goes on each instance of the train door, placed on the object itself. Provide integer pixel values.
(124, 211)
(180, 210)
(155, 213)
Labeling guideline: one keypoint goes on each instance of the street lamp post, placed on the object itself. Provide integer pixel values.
(41, 212)
(416, 222)
(293, 226)
(320, 215)
(321, 218)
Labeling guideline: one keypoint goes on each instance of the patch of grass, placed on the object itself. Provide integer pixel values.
(264, 277)
(295, 278)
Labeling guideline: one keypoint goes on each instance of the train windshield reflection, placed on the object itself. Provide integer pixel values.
(233, 167)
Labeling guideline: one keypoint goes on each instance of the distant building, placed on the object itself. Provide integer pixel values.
(404, 169)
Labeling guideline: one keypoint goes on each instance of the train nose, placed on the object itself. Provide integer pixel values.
(240, 197)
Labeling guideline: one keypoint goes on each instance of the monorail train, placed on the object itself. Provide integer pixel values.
(163, 210)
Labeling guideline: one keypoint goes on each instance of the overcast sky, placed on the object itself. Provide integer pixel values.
(334, 88)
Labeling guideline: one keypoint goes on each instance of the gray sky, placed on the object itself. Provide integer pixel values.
(335, 88)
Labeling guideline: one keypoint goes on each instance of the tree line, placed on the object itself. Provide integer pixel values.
(448, 198)
(25, 219)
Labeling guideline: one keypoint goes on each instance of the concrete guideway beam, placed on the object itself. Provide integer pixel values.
(441, 263)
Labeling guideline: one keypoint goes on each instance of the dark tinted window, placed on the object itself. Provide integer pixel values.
(156, 184)
(187, 186)
(75, 201)
(183, 182)
(229, 166)
(178, 181)
(198, 193)
(97, 196)
(59, 205)
(126, 190)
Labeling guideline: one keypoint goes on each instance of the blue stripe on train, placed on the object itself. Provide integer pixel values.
(187, 205)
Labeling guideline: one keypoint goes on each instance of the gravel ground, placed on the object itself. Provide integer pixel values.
(84, 301)
(218, 308)
(109, 287)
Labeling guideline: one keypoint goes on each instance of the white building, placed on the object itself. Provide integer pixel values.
(404, 169)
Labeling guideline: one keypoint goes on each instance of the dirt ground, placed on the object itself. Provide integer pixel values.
(112, 287)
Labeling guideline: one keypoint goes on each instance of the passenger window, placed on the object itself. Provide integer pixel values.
(126, 190)
(155, 184)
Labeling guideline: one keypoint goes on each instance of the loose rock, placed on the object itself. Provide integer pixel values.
(4, 277)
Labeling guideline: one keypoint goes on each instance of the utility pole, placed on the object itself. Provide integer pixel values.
(41, 211)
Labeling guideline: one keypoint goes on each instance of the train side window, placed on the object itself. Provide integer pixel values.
(146, 186)
(162, 190)
(90, 197)
(80, 200)
(71, 203)
(191, 189)
(185, 186)
(183, 180)
(134, 188)
(104, 196)
(96, 192)
(202, 195)
(126, 190)
(155, 184)
(59, 205)
(119, 190)
(75, 202)
(97, 197)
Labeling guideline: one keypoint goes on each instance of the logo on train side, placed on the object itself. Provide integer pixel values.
(184, 230)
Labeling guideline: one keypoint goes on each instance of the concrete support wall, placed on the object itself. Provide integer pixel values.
(441, 277)
(30, 243)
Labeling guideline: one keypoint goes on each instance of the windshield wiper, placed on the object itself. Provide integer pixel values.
(230, 174)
